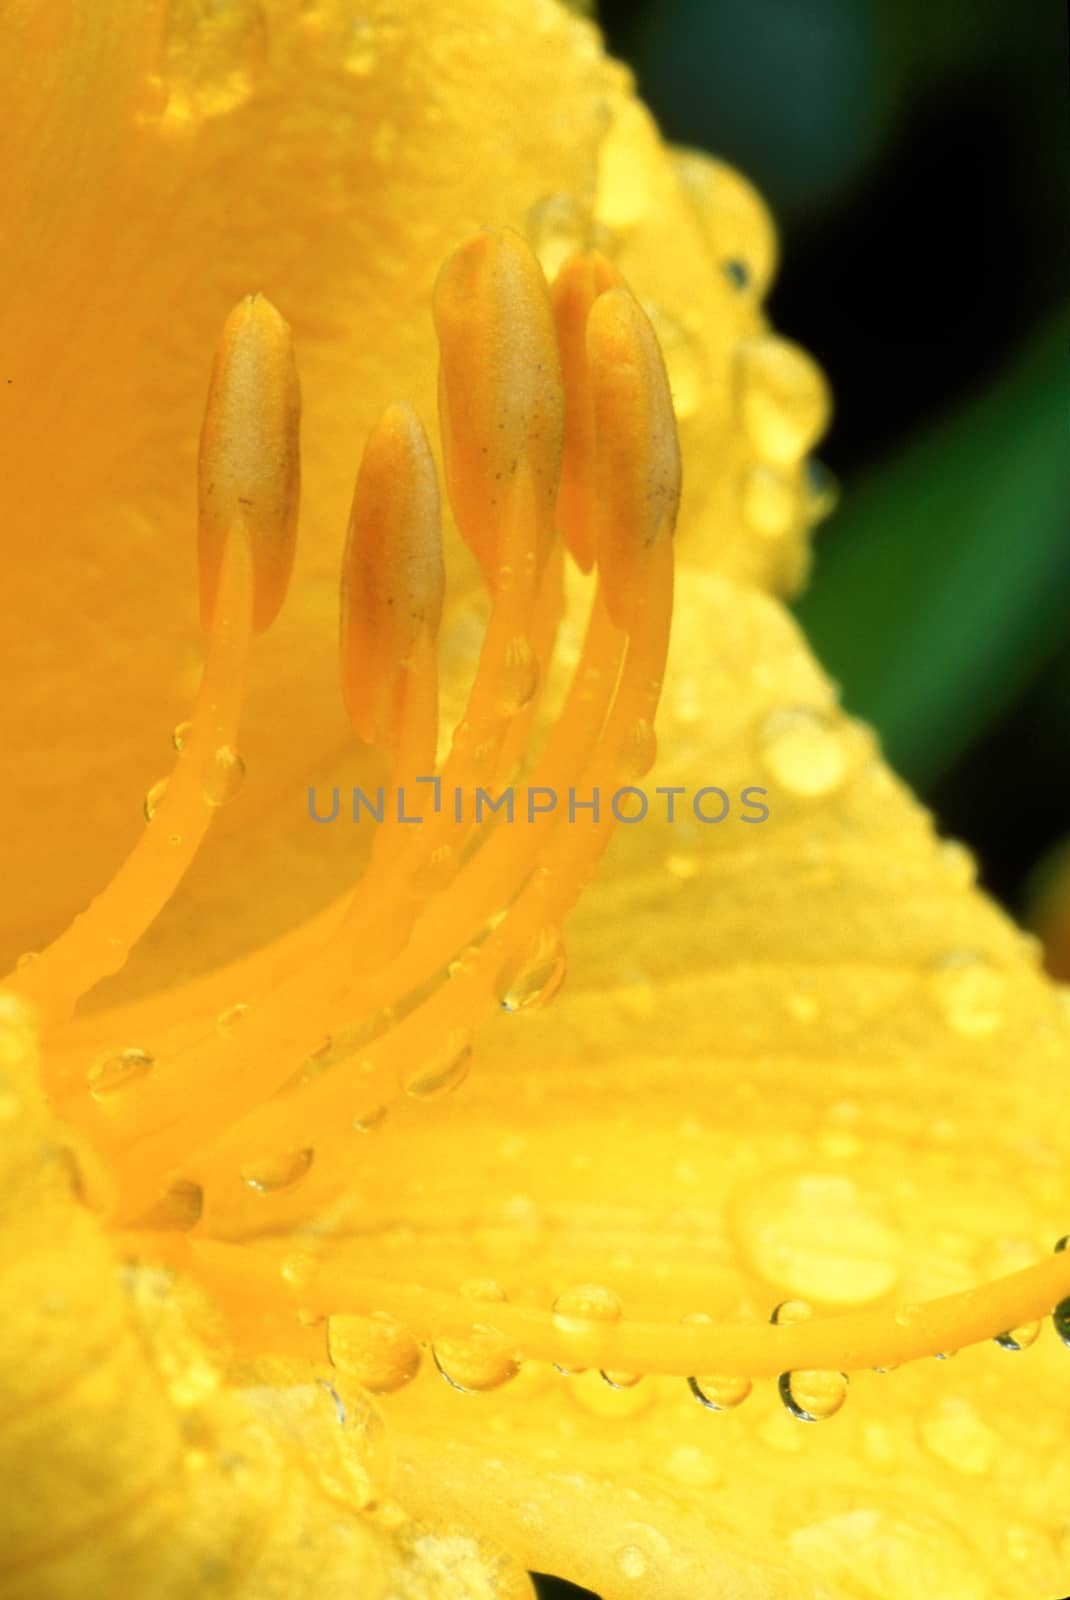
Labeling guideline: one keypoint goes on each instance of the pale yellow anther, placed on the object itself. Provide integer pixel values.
(578, 284)
(392, 573)
(500, 394)
(637, 455)
(249, 469)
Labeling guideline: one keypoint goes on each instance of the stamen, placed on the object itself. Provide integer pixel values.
(248, 509)
(499, 388)
(249, 469)
(392, 576)
(579, 283)
(637, 473)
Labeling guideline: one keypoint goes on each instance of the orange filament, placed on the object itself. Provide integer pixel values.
(555, 417)
(247, 518)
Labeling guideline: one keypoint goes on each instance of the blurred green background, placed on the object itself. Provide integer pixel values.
(916, 155)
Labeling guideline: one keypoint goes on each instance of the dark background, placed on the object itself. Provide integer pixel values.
(916, 154)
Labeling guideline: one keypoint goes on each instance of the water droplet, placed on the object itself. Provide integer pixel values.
(475, 1361)
(716, 1391)
(534, 979)
(370, 1120)
(584, 1308)
(804, 750)
(821, 1236)
(27, 959)
(557, 227)
(737, 272)
(487, 1290)
(232, 1017)
(684, 360)
(178, 1209)
(181, 734)
(153, 798)
(822, 491)
(1060, 1320)
(379, 1352)
(210, 58)
(783, 398)
(1062, 1244)
(225, 776)
(640, 749)
(116, 1070)
(276, 1173)
(620, 1380)
(789, 1312)
(443, 1070)
(733, 219)
(970, 992)
(518, 678)
(720, 1391)
(812, 1396)
(1020, 1338)
(770, 502)
(631, 1561)
(956, 1435)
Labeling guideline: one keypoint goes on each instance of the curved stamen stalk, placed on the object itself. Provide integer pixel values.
(249, 487)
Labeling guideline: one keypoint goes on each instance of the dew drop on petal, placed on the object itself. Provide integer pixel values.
(716, 1391)
(769, 502)
(954, 1433)
(376, 1350)
(557, 227)
(178, 1209)
(789, 1312)
(153, 798)
(812, 1396)
(1060, 1320)
(475, 1361)
(442, 1070)
(970, 993)
(822, 491)
(783, 398)
(804, 750)
(585, 1306)
(537, 976)
(115, 1070)
(232, 1017)
(27, 959)
(370, 1120)
(225, 776)
(818, 1235)
(275, 1173)
(631, 1561)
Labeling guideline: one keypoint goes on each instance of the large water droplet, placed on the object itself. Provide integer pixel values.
(956, 1435)
(225, 776)
(210, 58)
(631, 1561)
(557, 227)
(970, 992)
(536, 976)
(475, 1361)
(812, 1396)
(783, 398)
(153, 798)
(379, 1352)
(770, 502)
(178, 1209)
(789, 1312)
(443, 1069)
(820, 1236)
(804, 750)
(585, 1307)
(275, 1173)
(115, 1070)
(518, 678)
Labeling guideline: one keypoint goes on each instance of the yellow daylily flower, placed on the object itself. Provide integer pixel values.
(295, 1230)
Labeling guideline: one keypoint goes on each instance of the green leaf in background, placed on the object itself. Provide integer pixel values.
(944, 581)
